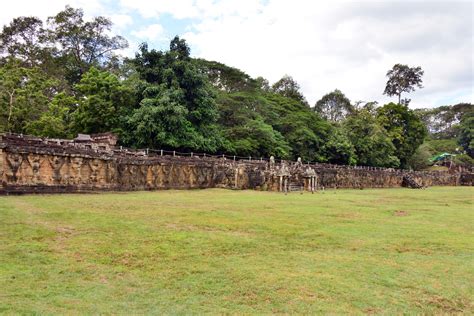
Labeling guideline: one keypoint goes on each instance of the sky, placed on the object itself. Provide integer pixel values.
(323, 45)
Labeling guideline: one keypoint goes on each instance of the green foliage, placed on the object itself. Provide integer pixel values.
(24, 39)
(371, 142)
(443, 122)
(56, 121)
(464, 160)
(339, 149)
(466, 135)
(177, 107)
(245, 129)
(439, 146)
(225, 78)
(421, 158)
(288, 87)
(83, 44)
(304, 130)
(103, 102)
(334, 106)
(404, 128)
(24, 95)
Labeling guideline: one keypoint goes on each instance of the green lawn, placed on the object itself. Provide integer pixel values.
(219, 251)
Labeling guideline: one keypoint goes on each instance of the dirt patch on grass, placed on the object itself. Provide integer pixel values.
(400, 213)
(446, 305)
(197, 228)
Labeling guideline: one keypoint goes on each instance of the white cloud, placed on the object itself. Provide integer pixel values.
(345, 45)
(151, 32)
(121, 21)
(153, 9)
(44, 9)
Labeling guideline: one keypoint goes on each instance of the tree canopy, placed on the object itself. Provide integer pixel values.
(334, 106)
(402, 78)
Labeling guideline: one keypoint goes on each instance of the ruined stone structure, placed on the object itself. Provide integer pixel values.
(93, 163)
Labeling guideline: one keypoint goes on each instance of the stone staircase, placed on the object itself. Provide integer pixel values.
(295, 186)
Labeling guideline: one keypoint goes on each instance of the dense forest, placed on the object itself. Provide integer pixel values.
(63, 76)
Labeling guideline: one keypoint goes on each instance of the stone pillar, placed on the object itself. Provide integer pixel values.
(2, 170)
(281, 183)
(236, 177)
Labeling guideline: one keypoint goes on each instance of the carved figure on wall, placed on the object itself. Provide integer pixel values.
(111, 172)
(14, 163)
(94, 177)
(35, 163)
(75, 176)
(56, 162)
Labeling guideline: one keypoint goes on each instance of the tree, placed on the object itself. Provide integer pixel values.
(304, 130)
(421, 158)
(177, 107)
(56, 121)
(371, 142)
(246, 130)
(288, 87)
(404, 127)
(24, 95)
(338, 149)
(225, 78)
(466, 135)
(402, 78)
(334, 106)
(103, 101)
(24, 39)
(443, 122)
(82, 44)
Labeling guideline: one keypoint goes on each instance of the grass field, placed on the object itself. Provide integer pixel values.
(386, 251)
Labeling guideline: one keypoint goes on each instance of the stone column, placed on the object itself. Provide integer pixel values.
(2, 170)
(281, 183)
(236, 177)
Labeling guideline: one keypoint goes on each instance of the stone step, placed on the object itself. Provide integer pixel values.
(295, 187)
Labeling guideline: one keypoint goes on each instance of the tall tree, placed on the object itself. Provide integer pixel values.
(102, 102)
(177, 107)
(402, 78)
(304, 130)
(288, 87)
(25, 40)
(466, 136)
(404, 127)
(339, 149)
(334, 106)
(225, 78)
(371, 142)
(246, 129)
(83, 43)
(24, 95)
(56, 120)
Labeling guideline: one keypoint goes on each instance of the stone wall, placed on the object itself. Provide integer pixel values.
(36, 165)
